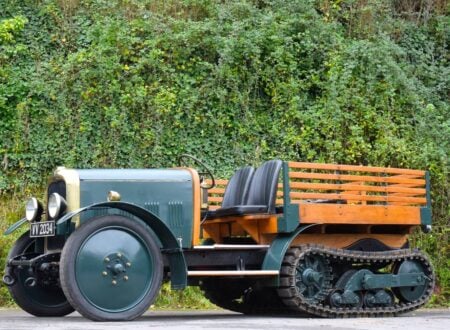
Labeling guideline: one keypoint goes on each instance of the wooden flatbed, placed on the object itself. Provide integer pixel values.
(347, 203)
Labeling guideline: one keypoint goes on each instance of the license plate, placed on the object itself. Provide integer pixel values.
(42, 229)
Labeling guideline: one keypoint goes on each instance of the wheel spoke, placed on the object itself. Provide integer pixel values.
(315, 264)
(310, 291)
(308, 262)
(317, 286)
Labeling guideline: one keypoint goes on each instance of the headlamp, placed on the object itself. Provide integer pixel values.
(33, 209)
(56, 205)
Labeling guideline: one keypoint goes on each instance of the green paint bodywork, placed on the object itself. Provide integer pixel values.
(170, 243)
(425, 212)
(275, 254)
(290, 219)
(14, 226)
(364, 279)
(380, 281)
(167, 193)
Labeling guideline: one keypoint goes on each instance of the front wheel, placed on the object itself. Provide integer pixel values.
(111, 269)
(38, 299)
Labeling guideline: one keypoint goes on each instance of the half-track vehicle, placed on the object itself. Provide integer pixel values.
(287, 237)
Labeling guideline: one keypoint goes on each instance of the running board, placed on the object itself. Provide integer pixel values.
(233, 273)
(231, 247)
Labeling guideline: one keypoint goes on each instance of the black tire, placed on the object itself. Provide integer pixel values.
(38, 300)
(87, 297)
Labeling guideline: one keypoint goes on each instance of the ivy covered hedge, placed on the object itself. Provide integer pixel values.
(134, 83)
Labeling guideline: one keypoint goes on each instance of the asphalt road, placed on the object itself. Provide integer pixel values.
(425, 319)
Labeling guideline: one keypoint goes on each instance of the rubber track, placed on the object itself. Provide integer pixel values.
(288, 292)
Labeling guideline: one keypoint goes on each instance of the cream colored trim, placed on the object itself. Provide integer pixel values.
(233, 273)
(196, 205)
(231, 247)
(72, 180)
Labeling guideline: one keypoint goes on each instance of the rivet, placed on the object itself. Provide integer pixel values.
(128, 264)
(104, 273)
(119, 255)
(114, 282)
(107, 259)
(125, 278)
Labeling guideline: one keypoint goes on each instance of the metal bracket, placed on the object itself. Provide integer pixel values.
(364, 279)
(381, 281)
(25, 261)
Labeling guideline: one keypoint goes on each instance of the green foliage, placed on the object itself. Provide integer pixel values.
(190, 297)
(437, 245)
(10, 26)
(94, 83)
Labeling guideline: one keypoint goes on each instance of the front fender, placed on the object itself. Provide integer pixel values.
(171, 245)
(15, 226)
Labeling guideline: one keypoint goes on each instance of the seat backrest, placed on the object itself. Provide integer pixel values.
(264, 185)
(237, 188)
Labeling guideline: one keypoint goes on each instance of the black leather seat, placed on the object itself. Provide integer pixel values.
(262, 192)
(236, 190)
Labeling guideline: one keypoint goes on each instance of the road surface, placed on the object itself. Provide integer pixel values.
(425, 319)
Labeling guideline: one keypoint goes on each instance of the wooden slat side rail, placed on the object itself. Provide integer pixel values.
(216, 190)
(346, 177)
(355, 168)
(215, 199)
(356, 187)
(215, 195)
(350, 184)
(219, 182)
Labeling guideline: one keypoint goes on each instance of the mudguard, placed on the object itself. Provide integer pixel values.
(171, 246)
(15, 226)
(275, 254)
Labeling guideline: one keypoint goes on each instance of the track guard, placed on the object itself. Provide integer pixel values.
(275, 254)
(171, 247)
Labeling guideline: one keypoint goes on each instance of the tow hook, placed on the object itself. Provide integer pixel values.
(9, 280)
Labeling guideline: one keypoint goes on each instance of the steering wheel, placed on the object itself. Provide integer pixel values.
(183, 161)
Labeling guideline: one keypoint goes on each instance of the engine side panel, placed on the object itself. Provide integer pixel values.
(167, 194)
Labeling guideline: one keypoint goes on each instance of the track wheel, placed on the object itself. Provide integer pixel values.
(32, 296)
(339, 297)
(304, 278)
(410, 293)
(379, 298)
(111, 269)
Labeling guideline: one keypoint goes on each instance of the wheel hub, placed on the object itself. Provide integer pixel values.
(313, 277)
(310, 276)
(116, 266)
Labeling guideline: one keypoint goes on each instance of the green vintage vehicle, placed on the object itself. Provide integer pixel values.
(288, 237)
